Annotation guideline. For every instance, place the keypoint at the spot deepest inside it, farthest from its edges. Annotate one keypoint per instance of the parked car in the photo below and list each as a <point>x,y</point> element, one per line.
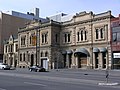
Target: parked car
<point>4,66</point>
<point>37,69</point>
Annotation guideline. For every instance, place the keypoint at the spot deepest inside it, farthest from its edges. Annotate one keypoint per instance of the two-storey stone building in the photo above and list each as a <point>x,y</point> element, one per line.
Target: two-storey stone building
<point>80,42</point>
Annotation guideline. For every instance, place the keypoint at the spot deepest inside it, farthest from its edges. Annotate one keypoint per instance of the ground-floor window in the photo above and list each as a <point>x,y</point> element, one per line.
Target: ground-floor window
<point>96,60</point>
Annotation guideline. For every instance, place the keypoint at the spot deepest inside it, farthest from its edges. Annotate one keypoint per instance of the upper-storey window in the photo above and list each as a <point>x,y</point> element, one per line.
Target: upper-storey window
<point>85,35</point>
<point>67,37</point>
<point>56,38</point>
<point>6,49</point>
<point>44,37</point>
<point>99,33</point>
<point>30,39</point>
<point>20,56</point>
<point>23,40</point>
<point>78,37</point>
<point>46,54</point>
<point>24,57</point>
<point>116,36</point>
<point>41,54</point>
<point>82,35</point>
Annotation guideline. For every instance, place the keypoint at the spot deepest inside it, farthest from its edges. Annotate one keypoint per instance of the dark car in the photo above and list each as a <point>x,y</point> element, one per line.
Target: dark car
<point>37,69</point>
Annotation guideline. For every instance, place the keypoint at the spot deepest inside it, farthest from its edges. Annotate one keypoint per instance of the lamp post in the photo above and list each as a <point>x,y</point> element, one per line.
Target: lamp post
<point>36,45</point>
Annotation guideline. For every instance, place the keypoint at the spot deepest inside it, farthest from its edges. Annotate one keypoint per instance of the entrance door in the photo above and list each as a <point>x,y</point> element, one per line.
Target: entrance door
<point>82,60</point>
<point>32,60</point>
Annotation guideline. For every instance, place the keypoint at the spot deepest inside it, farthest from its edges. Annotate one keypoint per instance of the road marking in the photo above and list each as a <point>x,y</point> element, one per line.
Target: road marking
<point>2,89</point>
<point>35,84</point>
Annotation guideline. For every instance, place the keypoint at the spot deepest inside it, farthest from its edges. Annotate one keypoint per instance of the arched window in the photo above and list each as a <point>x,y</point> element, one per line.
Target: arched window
<point>101,33</point>
<point>24,57</point>
<point>65,37</point>
<point>85,35</point>
<point>20,57</point>
<point>97,33</point>
<point>78,38</point>
<point>68,37</point>
<point>46,54</point>
<point>81,35</point>
<point>30,39</point>
<point>41,54</point>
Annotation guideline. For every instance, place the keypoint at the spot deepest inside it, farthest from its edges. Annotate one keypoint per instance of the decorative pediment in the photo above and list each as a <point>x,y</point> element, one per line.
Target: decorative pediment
<point>11,39</point>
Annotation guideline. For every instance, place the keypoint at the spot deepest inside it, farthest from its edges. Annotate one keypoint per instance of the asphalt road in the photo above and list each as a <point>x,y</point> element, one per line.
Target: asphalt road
<point>22,79</point>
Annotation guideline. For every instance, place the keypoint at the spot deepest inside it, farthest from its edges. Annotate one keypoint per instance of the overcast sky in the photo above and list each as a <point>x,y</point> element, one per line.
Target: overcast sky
<point>51,7</point>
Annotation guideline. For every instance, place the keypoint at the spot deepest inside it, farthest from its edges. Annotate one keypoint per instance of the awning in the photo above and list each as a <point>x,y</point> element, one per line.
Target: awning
<point>82,50</point>
<point>64,52</point>
<point>103,50</point>
<point>69,52</point>
<point>95,50</point>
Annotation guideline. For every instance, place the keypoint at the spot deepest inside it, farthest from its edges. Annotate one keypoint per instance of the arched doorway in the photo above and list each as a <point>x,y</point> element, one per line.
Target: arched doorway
<point>32,60</point>
<point>82,57</point>
<point>82,60</point>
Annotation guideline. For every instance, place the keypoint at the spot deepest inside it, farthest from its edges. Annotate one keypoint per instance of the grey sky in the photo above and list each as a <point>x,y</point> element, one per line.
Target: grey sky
<point>50,7</point>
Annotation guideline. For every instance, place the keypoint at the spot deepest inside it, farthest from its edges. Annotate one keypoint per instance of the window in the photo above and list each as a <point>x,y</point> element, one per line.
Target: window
<point>42,38</point>
<point>78,38</point>
<point>6,49</point>
<point>114,37</point>
<point>118,36</point>
<point>11,48</point>
<point>24,57</point>
<point>65,37</point>
<point>68,37</point>
<point>31,39</point>
<point>46,38</point>
<point>20,57</point>
<point>41,54</point>
<point>23,38</point>
<point>46,54</point>
<point>101,33</point>
<point>97,33</point>
<point>81,35</point>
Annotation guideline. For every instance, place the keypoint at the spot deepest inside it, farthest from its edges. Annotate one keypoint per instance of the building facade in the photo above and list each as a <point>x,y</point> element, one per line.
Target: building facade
<point>11,51</point>
<point>9,26</point>
<point>115,44</point>
<point>81,42</point>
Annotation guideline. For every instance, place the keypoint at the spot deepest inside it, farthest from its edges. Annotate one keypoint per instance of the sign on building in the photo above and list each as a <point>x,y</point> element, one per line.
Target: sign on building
<point>34,40</point>
<point>116,55</point>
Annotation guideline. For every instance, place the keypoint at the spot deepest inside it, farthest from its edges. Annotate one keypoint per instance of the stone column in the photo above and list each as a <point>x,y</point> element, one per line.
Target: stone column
<point>94,62</point>
<point>67,58</point>
<point>107,61</point>
<point>73,61</point>
<point>76,62</point>
<point>100,61</point>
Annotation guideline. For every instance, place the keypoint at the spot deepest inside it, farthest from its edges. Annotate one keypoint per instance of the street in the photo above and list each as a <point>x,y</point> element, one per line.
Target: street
<point>22,79</point>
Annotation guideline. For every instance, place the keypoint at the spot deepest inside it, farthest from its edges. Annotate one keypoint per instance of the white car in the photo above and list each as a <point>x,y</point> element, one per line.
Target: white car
<point>4,66</point>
